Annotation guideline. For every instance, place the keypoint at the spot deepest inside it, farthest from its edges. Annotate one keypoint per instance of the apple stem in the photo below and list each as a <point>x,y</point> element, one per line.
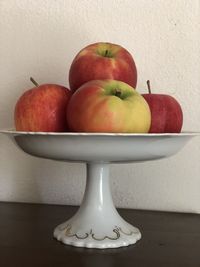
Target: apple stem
<point>106,53</point>
<point>149,86</point>
<point>118,92</point>
<point>34,82</point>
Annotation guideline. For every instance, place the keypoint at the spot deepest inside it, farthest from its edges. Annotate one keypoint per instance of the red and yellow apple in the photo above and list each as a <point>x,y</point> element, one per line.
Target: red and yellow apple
<point>42,109</point>
<point>166,113</point>
<point>108,106</point>
<point>102,61</point>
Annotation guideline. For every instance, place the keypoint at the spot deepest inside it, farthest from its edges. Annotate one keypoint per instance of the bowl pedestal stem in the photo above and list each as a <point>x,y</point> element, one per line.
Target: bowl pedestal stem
<point>97,224</point>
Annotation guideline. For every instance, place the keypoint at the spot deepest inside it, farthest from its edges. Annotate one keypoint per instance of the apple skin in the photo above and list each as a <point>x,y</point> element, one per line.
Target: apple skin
<point>108,106</point>
<point>101,61</point>
<point>166,113</point>
<point>42,109</point>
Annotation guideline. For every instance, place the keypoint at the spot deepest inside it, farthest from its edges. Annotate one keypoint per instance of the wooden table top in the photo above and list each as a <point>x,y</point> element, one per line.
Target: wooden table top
<point>26,239</point>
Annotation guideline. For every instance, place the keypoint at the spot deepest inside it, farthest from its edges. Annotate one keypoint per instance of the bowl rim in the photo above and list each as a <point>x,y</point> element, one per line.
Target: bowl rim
<point>14,132</point>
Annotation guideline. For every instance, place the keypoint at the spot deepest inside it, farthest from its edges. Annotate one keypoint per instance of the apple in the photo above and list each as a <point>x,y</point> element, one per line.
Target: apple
<point>42,109</point>
<point>101,61</point>
<point>166,113</point>
<point>108,106</point>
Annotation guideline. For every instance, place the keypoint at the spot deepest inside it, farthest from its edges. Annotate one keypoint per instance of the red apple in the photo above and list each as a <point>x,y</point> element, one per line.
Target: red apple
<point>166,113</point>
<point>102,61</point>
<point>108,106</point>
<point>42,109</point>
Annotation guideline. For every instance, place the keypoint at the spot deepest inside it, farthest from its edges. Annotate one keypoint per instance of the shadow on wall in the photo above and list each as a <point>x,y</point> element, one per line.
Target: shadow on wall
<point>25,178</point>
<point>17,180</point>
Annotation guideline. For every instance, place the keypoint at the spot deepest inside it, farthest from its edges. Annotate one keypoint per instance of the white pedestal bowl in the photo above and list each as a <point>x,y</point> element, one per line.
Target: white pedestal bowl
<point>97,223</point>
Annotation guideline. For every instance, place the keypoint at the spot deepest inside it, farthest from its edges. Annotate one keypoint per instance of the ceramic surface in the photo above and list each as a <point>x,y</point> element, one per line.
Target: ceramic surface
<point>99,147</point>
<point>97,223</point>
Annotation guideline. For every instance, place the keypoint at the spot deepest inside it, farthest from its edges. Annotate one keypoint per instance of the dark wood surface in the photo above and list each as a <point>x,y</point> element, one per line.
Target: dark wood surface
<point>168,239</point>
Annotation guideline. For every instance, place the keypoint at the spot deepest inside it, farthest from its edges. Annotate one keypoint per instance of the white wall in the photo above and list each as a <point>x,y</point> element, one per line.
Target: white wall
<point>40,38</point>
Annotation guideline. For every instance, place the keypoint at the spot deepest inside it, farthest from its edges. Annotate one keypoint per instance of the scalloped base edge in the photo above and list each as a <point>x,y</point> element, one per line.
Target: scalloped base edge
<point>89,242</point>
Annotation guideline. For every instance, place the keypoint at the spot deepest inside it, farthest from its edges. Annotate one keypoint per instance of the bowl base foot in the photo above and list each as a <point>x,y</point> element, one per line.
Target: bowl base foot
<point>117,236</point>
<point>97,224</point>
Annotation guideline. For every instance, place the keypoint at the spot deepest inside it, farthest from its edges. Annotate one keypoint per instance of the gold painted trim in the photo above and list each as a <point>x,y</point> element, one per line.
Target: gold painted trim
<point>117,231</point>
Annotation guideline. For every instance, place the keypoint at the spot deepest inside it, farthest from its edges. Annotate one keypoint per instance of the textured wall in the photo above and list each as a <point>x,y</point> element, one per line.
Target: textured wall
<point>40,38</point>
